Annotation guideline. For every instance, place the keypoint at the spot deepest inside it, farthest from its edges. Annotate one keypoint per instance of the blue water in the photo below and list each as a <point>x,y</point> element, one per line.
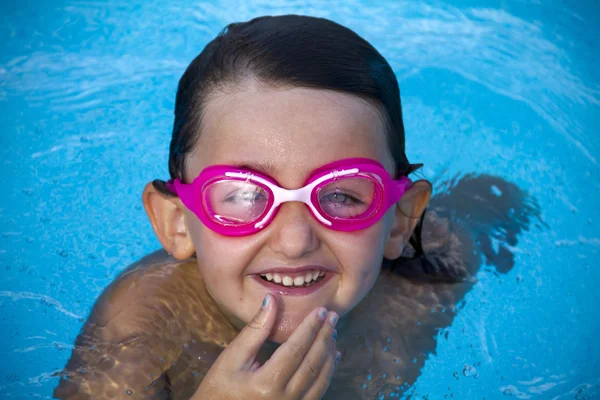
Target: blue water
<point>509,88</point>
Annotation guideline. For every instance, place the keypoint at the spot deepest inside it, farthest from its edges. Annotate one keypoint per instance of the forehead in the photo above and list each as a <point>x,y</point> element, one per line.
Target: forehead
<point>290,131</point>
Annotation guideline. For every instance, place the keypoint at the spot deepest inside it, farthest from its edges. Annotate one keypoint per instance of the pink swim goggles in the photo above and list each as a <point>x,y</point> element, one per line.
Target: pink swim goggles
<point>346,195</point>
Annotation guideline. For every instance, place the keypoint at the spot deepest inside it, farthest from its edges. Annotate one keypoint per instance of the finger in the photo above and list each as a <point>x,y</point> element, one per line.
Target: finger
<point>288,357</point>
<point>321,384</point>
<point>322,348</point>
<point>242,351</point>
<point>255,366</point>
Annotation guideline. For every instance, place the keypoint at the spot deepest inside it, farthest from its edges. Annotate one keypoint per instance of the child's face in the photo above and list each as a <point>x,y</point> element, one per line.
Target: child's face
<point>289,132</point>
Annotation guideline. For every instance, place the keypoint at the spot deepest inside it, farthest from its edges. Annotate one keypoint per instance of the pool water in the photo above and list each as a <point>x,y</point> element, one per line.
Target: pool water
<point>507,88</point>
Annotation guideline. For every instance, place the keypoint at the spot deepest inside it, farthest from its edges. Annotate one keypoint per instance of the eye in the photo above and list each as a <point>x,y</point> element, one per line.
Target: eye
<point>247,196</point>
<point>340,199</point>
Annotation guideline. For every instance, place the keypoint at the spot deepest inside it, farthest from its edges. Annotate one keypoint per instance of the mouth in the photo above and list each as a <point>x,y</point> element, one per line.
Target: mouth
<point>293,284</point>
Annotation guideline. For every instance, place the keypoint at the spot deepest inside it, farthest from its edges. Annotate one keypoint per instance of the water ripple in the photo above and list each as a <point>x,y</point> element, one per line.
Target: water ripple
<point>40,297</point>
<point>510,56</point>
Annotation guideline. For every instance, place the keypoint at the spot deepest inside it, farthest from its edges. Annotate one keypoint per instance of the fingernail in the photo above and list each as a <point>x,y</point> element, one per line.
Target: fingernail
<point>333,318</point>
<point>338,357</point>
<point>322,314</point>
<point>334,334</point>
<point>266,301</point>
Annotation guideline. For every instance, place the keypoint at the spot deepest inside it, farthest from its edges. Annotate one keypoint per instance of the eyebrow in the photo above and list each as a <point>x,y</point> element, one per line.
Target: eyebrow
<point>265,168</point>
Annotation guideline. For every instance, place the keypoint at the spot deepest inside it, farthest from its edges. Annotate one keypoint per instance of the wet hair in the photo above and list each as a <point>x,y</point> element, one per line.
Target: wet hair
<point>287,51</point>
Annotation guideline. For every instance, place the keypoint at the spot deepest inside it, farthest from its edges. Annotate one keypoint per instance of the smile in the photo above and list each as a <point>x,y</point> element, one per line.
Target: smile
<point>306,279</point>
<point>293,284</point>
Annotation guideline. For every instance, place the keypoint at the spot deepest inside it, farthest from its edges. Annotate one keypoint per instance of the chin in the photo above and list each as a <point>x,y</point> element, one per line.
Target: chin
<point>279,337</point>
<point>285,325</point>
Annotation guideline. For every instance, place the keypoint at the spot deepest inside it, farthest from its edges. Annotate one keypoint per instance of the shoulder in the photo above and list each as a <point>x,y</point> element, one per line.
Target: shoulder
<point>133,333</point>
<point>145,289</point>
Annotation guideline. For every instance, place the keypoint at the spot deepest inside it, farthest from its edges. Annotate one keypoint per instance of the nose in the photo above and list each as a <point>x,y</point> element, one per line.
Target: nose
<point>293,231</point>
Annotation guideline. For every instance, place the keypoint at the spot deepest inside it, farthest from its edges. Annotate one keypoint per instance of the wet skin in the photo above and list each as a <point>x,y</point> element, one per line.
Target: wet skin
<point>155,331</point>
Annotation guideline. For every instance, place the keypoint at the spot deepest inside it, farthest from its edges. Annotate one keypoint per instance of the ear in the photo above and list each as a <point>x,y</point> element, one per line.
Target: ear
<point>407,214</point>
<point>168,221</point>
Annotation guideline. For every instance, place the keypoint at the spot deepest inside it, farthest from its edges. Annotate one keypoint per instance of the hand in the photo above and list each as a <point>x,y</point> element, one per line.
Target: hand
<point>301,368</point>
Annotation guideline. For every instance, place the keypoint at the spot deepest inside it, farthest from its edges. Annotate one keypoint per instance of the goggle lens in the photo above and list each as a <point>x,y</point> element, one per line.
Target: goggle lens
<point>234,202</point>
<point>348,198</point>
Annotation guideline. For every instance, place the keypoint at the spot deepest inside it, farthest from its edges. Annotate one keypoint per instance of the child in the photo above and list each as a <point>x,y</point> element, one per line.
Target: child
<point>260,295</point>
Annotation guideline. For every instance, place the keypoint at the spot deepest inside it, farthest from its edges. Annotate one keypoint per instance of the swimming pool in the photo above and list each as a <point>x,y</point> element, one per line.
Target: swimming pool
<point>505,88</point>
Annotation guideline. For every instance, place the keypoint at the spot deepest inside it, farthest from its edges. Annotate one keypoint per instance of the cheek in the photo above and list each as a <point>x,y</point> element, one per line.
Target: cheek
<point>221,260</point>
<point>360,255</point>
<point>366,247</point>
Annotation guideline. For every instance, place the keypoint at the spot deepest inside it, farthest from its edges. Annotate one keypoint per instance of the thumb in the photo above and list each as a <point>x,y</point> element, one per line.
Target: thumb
<point>244,348</point>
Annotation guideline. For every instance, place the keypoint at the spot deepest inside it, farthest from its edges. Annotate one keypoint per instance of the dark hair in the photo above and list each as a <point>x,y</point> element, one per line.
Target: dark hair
<point>294,51</point>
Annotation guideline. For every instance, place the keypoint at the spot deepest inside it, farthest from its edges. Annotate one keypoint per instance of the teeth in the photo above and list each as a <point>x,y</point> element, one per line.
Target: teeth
<point>289,281</point>
<point>308,277</point>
